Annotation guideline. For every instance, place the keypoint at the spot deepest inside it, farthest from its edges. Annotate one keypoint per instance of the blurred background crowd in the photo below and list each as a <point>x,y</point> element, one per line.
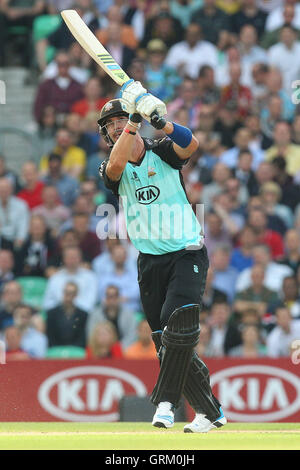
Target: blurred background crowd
<point>227,69</point>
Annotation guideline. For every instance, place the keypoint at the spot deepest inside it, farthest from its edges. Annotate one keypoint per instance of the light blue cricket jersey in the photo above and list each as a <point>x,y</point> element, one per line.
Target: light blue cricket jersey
<point>159,217</point>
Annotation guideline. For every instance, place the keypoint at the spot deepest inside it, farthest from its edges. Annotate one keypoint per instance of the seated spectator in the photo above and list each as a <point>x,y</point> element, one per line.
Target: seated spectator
<point>212,295</point>
<point>296,130</point>
<point>205,347</point>
<point>228,123</point>
<point>46,131</point>
<point>71,270</point>
<point>54,213</point>
<point>242,141</point>
<point>66,323</point>
<point>60,92</point>
<point>285,332</point>
<point>67,186</point>
<point>122,277</point>
<point>5,172</point>
<point>278,16</point>
<point>67,239</point>
<point>88,241</point>
<point>270,196</point>
<point>212,20</point>
<point>194,50</point>
<point>223,335</point>
<point>104,263</point>
<point>291,256</point>
<point>11,297</point>
<point>73,157</point>
<point>250,52</point>
<point>32,259</point>
<point>249,13</point>
<point>216,232</point>
<point>144,347</point>
<point>274,272</point>
<point>225,276</point>
<point>290,189</point>
<point>161,79</point>
<point>290,296</point>
<point>284,147</point>
<point>14,351</point>
<point>127,33</point>
<point>31,192</point>
<point>274,86</point>
<point>258,221</point>
<point>235,90</point>
<point>81,139</point>
<point>242,255</point>
<point>233,220</point>
<point>103,342</point>
<point>7,264</point>
<point>251,346</point>
<point>186,96</point>
<point>14,215</point>
<point>208,91</point>
<point>111,309</point>
<point>162,25</point>
<point>257,296</point>
<point>270,115</point>
<point>93,100</point>
<point>33,342</point>
<point>220,174</point>
<point>244,173</point>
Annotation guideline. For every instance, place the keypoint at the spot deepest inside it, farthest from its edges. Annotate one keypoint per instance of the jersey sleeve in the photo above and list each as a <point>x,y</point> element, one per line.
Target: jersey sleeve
<point>165,150</point>
<point>110,184</point>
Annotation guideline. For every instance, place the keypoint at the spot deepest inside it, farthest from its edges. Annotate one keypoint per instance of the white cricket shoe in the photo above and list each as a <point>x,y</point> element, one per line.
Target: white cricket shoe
<point>164,415</point>
<point>202,424</point>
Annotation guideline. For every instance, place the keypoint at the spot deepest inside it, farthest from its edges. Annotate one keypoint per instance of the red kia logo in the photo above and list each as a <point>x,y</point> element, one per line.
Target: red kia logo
<point>257,392</point>
<point>90,393</point>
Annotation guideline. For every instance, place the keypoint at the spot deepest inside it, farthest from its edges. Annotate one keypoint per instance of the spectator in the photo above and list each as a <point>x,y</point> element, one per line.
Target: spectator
<point>14,215</point>
<point>225,276</point>
<point>204,347</point>
<point>270,115</point>
<point>33,342</point>
<point>276,18</point>
<point>285,332</point>
<point>216,232</point>
<point>11,297</point>
<point>212,20</point>
<point>272,37</point>
<point>53,212</point>
<point>88,241</point>
<point>162,25</point>
<point>161,79</point>
<point>60,92</point>
<point>233,220</point>
<point>127,33</point>
<point>257,219</point>
<point>223,335</point>
<point>67,239</point>
<point>188,98</point>
<point>242,140</point>
<point>291,256</point>
<point>284,147</point>
<point>290,194</point>
<point>284,55</point>
<point>32,259</point>
<point>189,55</point>
<point>208,91</point>
<point>274,84</point>
<point>6,267</point>
<point>257,296</point>
<point>103,342</point>
<point>220,174</point>
<point>73,157</point>
<point>251,346</point>
<point>66,323</point>
<point>290,296</point>
<point>244,174</point>
<point>249,14</point>
<point>236,91</point>
<point>31,192</point>
<point>71,270</point>
<point>144,347</point>
<point>112,310</point>
<point>270,196</point>
<point>211,294</point>
<point>93,100</point>
<point>122,277</point>
<point>242,255</point>
<point>7,173</point>
<point>66,185</point>
<point>228,123</point>
<point>80,138</point>
<point>103,264</point>
<point>14,351</point>
<point>46,131</point>
<point>250,52</point>
<point>274,272</point>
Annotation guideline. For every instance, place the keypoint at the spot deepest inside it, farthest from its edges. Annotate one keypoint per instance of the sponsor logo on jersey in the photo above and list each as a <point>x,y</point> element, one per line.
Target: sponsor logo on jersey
<point>147,194</point>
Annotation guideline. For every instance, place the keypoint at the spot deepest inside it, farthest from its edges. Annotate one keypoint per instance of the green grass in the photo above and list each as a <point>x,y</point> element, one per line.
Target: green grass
<point>142,436</point>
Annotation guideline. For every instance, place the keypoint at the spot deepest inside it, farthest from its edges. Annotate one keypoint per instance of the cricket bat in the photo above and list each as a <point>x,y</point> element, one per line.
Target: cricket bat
<point>93,47</point>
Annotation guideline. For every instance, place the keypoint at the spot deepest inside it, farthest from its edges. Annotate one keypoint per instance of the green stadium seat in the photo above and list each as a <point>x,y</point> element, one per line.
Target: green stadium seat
<point>65,352</point>
<point>33,288</point>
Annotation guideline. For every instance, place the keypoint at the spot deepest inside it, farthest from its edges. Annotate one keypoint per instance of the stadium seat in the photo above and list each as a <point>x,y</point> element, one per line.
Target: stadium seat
<point>65,352</point>
<point>137,409</point>
<point>33,290</point>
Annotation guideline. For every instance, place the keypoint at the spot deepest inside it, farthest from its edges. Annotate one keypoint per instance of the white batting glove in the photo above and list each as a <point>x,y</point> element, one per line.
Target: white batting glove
<point>147,104</point>
<point>130,92</point>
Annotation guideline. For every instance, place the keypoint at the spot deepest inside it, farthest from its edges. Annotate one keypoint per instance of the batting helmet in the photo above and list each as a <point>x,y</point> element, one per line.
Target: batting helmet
<point>112,108</point>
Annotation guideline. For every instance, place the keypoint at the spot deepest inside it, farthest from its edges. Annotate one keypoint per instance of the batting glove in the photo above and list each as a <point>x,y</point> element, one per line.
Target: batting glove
<point>147,104</point>
<point>130,92</point>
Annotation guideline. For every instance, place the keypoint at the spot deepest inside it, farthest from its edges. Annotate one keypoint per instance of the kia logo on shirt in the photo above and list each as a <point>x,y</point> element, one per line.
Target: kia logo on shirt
<point>147,194</point>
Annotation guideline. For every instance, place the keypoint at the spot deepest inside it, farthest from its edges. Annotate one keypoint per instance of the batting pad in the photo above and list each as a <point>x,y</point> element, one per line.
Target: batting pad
<point>179,338</point>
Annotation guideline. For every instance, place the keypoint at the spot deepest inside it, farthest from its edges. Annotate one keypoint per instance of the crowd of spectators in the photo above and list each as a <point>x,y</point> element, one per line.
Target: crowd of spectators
<point>228,69</point>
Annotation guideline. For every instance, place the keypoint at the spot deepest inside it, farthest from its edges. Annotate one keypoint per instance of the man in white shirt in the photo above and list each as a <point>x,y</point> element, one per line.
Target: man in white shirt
<point>274,272</point>
<point>285,55</point>
<point>275,18</point>
<point>72,271</point>
<point>188,56</point>
<point>279,341</point>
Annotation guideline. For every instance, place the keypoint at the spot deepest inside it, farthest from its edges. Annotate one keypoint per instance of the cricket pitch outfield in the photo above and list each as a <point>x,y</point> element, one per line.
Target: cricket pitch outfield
<point>142,436</point>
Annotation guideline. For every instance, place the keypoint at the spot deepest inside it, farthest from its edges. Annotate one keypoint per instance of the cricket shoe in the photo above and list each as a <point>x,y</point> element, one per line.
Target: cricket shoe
<point>202,424</point>
<point>164,415</point>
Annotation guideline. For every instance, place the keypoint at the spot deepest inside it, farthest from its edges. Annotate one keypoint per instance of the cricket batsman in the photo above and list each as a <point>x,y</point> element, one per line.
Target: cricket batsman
<point>172,269</point>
